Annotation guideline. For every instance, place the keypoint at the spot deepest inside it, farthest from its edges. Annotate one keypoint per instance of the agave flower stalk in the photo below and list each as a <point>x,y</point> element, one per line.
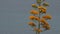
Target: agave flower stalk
<point>36,16</point>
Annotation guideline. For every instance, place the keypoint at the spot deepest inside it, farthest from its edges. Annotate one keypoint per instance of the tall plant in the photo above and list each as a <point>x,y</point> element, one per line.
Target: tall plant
<point>39,17</point>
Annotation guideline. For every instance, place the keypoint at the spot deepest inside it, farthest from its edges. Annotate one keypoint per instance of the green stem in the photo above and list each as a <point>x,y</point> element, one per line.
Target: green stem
<point>39,22</point>
<point>36,32</point>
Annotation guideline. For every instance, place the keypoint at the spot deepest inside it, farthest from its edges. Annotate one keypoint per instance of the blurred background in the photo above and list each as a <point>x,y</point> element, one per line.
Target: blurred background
<point>14,16</point>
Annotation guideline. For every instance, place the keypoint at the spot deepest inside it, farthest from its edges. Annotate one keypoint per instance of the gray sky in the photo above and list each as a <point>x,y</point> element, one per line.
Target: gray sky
<point>14,16</point>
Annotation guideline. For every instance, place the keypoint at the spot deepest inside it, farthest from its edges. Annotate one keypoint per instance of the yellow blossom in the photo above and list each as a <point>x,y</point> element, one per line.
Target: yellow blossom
<point>43,9</point>
<point>44,26</point>
<point>40,7</point>
<point>47,17</point>
<point>37,18</point>
<point>34,12</point>
<point>38,30</point>
<point>31,24</point>
<point>46,23</point>
<point>42,20</point>
<point>47,27</point>
<point>34,5</point>
<point>32,17</point>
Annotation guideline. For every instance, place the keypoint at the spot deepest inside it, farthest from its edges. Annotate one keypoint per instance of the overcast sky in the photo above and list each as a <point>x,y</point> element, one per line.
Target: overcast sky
<point>14,16</point>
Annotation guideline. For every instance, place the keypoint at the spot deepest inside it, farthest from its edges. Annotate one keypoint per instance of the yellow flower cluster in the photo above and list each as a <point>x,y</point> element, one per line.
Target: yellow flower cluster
<point>43,9</point>
<point>45,24</point>
<point>34,5</point>
<point>47,27</point>
<point>31,24</point>
<point>38,30</point>
<point>34,12</point>
<point>37,18</point>
<point>43,21</point>
<point>47,17</point>
<point>34,18</point>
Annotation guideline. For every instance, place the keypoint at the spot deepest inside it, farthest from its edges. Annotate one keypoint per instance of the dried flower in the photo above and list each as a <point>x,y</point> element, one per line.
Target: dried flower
<point>32,17</point>
<point>31,24</point>
<point>34,12</point>
<point>47,17</point>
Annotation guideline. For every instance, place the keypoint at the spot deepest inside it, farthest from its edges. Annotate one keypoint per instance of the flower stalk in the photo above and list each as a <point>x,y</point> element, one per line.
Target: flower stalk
<point>36,16</point>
